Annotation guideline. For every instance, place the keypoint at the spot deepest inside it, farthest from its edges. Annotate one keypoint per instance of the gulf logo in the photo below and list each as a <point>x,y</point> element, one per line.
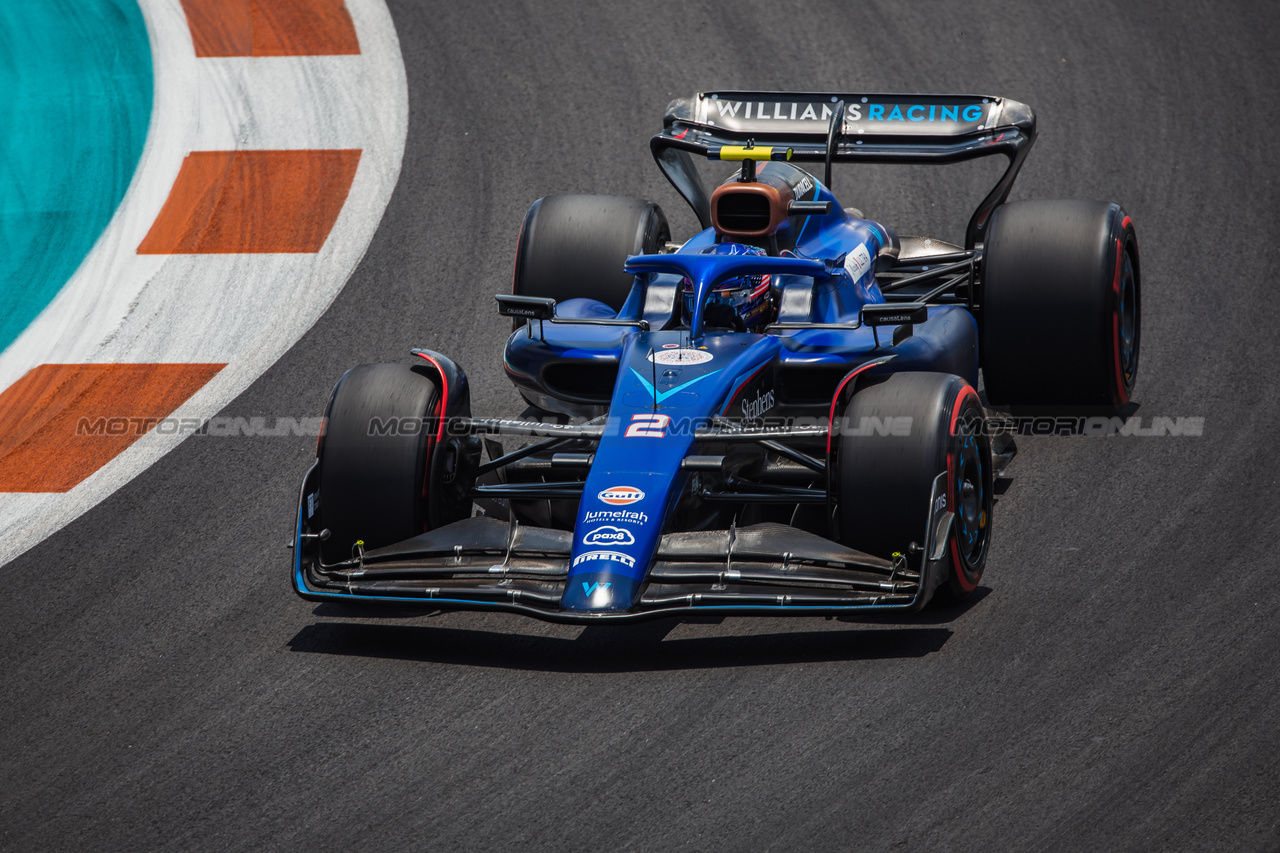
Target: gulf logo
<point>621,495</point>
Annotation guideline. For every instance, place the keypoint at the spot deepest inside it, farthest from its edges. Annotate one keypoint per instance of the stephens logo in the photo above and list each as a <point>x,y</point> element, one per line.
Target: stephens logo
<point>621,495</point>
<point>609,535</point>
<point>752,409</point>
<point>611,556</point>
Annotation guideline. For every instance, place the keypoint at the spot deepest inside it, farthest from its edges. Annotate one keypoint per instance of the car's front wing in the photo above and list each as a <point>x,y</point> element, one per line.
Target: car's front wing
<point>488,564</point>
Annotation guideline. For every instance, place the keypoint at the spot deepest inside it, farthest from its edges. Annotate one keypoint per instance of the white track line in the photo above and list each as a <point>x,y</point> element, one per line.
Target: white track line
<point>244,310</point>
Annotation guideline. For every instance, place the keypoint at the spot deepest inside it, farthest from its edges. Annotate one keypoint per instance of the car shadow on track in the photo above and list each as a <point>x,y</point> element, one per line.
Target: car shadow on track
<point>625,648</point>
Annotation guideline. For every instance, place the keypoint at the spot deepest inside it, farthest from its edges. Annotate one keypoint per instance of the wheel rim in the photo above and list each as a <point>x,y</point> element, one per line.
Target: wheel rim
<point>973,515</point>
<point>1128,330</point>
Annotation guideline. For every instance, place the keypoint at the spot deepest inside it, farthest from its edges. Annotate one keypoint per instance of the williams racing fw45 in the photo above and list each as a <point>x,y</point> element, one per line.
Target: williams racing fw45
<point>777,416</point>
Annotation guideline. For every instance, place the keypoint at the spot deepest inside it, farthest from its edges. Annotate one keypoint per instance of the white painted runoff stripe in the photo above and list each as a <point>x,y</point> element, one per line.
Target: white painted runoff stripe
<point>241,310</point>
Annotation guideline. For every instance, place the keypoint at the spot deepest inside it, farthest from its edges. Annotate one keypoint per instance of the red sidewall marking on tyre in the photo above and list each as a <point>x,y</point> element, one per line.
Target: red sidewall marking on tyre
<point>444,391</point>
<point>439,416</point>
<point>1121,393</point>
<point>956,563</point>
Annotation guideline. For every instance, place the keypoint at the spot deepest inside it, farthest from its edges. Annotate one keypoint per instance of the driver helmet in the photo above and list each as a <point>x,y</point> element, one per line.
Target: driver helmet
<point>746,297</point>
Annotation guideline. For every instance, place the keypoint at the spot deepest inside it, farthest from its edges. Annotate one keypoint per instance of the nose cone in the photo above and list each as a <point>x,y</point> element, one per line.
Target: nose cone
<point>600,592</point>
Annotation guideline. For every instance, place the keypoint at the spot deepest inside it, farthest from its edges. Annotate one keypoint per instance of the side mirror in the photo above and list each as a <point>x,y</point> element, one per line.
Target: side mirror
<point>525,307</point>
<point>904,315</point>
<point>894,314</point>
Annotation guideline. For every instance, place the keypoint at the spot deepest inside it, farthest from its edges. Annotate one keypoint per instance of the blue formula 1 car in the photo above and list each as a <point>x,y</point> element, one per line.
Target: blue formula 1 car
<point>777,416</point>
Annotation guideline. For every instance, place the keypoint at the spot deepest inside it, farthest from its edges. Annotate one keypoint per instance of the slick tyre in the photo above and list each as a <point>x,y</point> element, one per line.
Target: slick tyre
<point>1060,305</point>
<point>375,457</point>
<point>897,436</point>
<point>574,246</point>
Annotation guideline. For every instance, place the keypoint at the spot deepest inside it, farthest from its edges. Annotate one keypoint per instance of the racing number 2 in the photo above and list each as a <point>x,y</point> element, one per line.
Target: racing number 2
<point>648,426</point>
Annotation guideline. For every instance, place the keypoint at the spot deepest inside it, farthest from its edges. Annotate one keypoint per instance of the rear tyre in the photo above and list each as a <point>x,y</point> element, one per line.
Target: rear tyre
<point>886,476</point>
<point>381,435</point>
<point>574,246</point>
<point>1061,312</point>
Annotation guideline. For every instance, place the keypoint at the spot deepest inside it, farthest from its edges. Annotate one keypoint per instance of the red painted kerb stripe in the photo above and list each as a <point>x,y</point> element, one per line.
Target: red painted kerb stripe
<point>253,201</point>
<point>222,28</point>
<point>62,422</point>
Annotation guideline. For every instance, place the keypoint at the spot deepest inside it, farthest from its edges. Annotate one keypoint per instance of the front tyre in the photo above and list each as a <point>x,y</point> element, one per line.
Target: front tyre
<point>381,455</point>
<point>897,436</point>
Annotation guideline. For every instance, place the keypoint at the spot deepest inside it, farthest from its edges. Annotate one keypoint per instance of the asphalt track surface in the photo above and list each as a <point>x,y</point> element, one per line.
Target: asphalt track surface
<point>1111,686</point>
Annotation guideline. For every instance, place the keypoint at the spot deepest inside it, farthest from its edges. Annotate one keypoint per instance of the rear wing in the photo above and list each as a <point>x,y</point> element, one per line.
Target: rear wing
<point>827,127</point>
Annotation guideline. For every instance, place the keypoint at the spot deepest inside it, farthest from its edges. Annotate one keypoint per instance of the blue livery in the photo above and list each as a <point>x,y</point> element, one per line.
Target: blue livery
<point>778,415</point>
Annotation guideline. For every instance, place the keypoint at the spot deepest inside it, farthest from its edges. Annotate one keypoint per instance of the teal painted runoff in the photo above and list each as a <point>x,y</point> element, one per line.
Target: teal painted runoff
<point>75,102</point>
